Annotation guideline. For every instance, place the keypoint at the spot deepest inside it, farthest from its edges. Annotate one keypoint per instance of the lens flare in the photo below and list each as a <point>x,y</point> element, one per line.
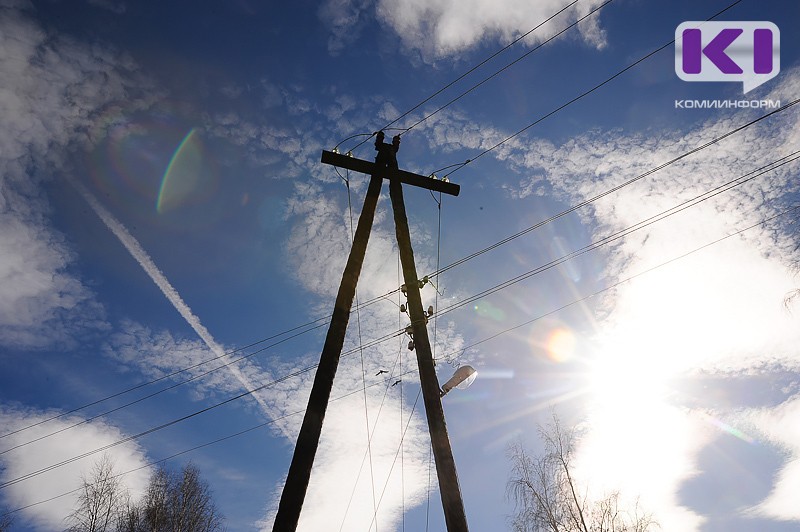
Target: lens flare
<point>187,175</point>
<point>561,345</point>
<point>485,309</point>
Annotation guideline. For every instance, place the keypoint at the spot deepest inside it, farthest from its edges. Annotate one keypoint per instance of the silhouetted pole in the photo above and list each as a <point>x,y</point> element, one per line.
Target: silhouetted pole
<point>455,518</point>
<point>294,490</point>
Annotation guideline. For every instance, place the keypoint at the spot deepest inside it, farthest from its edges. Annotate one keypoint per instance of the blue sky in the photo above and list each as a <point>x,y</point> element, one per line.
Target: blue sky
<point>162,204</point>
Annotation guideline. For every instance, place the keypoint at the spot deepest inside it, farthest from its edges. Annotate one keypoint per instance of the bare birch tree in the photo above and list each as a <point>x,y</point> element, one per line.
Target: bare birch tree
<point>548,498</point>
<point>100,500</point>
<point>174,502</point>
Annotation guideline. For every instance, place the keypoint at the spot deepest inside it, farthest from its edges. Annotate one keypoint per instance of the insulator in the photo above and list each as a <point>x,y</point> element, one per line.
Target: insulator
<point>411,345</point>
<point>403,307</point>
<point>430,310</point>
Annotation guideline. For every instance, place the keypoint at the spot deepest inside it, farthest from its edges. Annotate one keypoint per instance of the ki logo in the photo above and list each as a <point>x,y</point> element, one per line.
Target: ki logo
<point>748,52</point>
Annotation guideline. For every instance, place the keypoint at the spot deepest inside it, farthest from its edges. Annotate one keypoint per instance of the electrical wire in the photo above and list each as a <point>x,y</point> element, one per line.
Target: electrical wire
<point>580,96</point>
<point>197,447</point>
<point>148,383</point>
<point>509,65</point>
<point>309,326</point>
<point>525,231</point>
<point>459,353</point>
<point>379,340</point>
<point>441,270</point>
<point>361,354</point>
<point>284,378</point>
<point>616,188</point>
<point>630,229</point>
<point>402,438</point>
<point>390,379</point>
<point>400,417</point>
<point>793,209</point>
<point>465,74</point>
<point>144,398</point>
<point>476,67</point>
<point>152,430</point>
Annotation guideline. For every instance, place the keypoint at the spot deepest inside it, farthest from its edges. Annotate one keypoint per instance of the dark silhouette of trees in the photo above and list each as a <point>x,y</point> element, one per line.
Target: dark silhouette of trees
<point>100,499</point>
<point>6,520</point>
<point>174,502</point>
<point>548,498</point>
<point>179,502</point>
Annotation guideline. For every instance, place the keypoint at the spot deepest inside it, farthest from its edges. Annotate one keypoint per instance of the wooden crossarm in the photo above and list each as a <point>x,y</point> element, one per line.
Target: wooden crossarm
<point>409,178</point>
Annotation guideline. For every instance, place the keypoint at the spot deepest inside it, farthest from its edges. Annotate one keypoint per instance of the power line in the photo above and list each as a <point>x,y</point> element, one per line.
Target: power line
<point>193,414</point>
<point>174,373</point>
<point>630,229</point>
<point>434,274</point>
<point>203,445</point>
<point>465,74</point>
<point>476,67</point>
<point>402,439</point>
<point>144,398</point>
<point>460,352</point>
<point>438,272</point>
<point>361,356</point>
<point>461,261</point>
<point>509,65</point>
<point>588,201</point>
<point>308,326</point>
<point>551,113</point>
<point>152,430</point>
<point>391,378</point>
<point>664,214</point>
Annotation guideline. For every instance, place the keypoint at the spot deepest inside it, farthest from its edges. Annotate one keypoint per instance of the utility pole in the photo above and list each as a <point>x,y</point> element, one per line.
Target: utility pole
<point>384,167</point>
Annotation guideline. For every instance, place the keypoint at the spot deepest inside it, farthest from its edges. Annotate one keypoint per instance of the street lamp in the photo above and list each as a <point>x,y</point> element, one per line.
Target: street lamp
<point>461,379</point>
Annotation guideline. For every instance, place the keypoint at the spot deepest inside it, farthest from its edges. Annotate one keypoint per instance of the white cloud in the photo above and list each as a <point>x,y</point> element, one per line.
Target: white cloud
<point>780,426</point>
<point>49,90</point>
<point>41,454</point>
<point>441,28</point>
<point>156,354</point>
<point>41,302</point>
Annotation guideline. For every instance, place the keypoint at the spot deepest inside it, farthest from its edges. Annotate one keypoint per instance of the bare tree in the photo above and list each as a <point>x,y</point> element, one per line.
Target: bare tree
<point>176,503</point>
<point>547,497</point>
<point>130,518</point>
<point>6,520</point>
<point>173,502</point>
<point>100,500</point>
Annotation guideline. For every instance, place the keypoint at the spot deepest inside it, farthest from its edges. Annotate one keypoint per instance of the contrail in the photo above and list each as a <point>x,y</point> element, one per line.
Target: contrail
<point>147,264</point>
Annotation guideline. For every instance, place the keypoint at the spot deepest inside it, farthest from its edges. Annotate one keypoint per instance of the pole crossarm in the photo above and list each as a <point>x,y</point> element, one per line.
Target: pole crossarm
<point>409,178</point>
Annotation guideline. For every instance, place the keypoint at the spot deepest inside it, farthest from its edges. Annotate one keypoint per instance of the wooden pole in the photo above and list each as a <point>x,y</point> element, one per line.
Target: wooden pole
<point>453,505</point>
<point>294,491</point>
